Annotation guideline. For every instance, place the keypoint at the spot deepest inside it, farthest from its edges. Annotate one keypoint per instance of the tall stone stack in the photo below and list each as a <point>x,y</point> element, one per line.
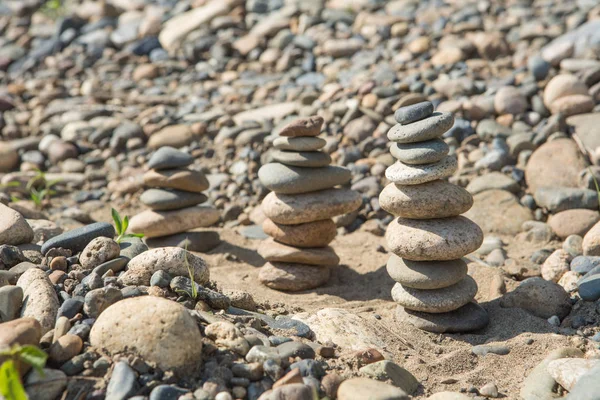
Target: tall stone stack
<point>429,237</point>
<point>300,207</point>
<point>173,197</point>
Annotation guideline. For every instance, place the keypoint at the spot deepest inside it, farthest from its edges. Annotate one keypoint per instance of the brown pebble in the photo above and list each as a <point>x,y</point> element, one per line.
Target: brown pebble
<point>326,351</point>
<point>330,384</point>
<point>59,263</point>
<point>294,376</point>
<point>368,356</point>
<point>65,348</point>
<point>310,126</point>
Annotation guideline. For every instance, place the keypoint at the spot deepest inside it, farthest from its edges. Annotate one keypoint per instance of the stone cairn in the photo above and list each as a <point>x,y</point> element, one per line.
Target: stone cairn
<point>429,237</point>
<point>173,197</point>
<point>300,207</point>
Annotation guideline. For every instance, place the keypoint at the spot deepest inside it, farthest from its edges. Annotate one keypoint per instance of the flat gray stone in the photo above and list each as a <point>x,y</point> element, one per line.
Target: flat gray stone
<point>426,129</point>
<point>201,241</point>
<point>285,179</point>
<point>437,300</point>
<point>415,112</point>
<point>404,174</point>
<point>491,181</point>
<point>293,277</point>
<point>426,275</point>
<point>163,199</point>
<point>169,157</point>
<point>470,317</point>
<point>427,152</point>
<point>76,239</point>
<point>299,143</point>
<point>274,251</point>
<point>302,158</point>
<point>11,298</point>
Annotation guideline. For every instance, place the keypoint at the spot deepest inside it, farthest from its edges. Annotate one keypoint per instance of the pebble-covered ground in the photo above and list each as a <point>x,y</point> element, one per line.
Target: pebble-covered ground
<point>95,96</point>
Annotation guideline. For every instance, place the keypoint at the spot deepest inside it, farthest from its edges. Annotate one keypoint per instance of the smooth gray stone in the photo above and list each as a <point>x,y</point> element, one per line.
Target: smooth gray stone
<point>470,317</point>
<point>589,287</point>
<point>202,241</point>
<point>132,246</point>
<point>426,275</point>
<point>11,298</point>
<point>588,386</point>
<point>116,265</point>
<point>427,152</point>
<point>403,174</point>
<point>76,239</point>
<point>169,157</point>
<point>163,199</point>
<point>123,382</point>
<point>415,112</point>
<point>299,143</point>
<point>426,129</point>
<point>302,158</point>
<point>560,199</point>
<point>285,179</point>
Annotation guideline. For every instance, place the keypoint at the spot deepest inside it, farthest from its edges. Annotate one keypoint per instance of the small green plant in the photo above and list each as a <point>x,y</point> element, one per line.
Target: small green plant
<point>11,386</point>
<point>121,225</point>
<point>597,186</point>
<point>53,9</point>
<point>39,188</point>
<point>193,293</point>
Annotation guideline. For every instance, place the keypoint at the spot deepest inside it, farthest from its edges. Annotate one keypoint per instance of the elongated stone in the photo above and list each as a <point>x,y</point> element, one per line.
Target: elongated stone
<point>435,199</point>
<point>299,143</point>
<point>164,200</point>
<point>426,274</point>
<point>301,208</point>
<point>415,112</point>
<point>302,158</point>
<point>182,179</point>
<point>169,157</point>
<point>427,152</point>
<point>426,129</point>
<point>76,239</point>
<point>293,277</point>
<point>437,300</point>
<point>433,239</point>
<point>470,317</point>
<point>162,223</point>
<point>310,234</point>
<point>271,250</point>
<point>286,179</point>
<point>310,126</point>
<point>404,174</point>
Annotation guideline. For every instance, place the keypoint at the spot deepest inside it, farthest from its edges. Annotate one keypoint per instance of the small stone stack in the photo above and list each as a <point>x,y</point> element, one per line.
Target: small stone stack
<point>429,237</point>
<point>174,195</point>
<point>300,207</point>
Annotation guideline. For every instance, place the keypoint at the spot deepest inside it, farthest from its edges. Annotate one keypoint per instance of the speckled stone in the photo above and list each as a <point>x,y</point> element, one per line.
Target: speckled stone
<point>435,199</point>
<point>302,158</point>
<point>427,152</point>
<point>293,277</point>
<point>415,112</point>
<point>311,234</point>
<point>285,179</point>
<point>470,317</point>
<point>426,129</point>
<point>161,223</point>
<point>271,250</point>
<point>426,274</point>
<point>433,239</point>
<point>404,174</point>
<point>437,300</point>
<point>299,143</point>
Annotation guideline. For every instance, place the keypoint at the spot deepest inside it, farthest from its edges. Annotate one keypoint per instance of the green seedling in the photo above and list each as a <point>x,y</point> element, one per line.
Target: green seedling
<point>193,294</point>
<point>11,386</point>
<point>597,186</point>
<point>121,225</point>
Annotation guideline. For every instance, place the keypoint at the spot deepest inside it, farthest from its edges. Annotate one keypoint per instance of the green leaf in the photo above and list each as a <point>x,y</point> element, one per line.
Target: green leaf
<point>117,218</point>
<point>33,356</point>
<point>137,235</point>
<point>10,184</point>
<point>125,223</point>
<point>11,387</point>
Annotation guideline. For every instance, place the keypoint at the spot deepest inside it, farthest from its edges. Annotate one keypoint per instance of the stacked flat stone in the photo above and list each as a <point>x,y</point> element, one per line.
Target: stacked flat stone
<point>429,237</point>
<point>300,208</point>
<point>173,197</point>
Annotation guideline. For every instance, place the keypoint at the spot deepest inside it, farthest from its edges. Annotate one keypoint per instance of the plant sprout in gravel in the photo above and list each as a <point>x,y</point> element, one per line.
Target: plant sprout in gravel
<point>11,386</point>
<point>121,225</point>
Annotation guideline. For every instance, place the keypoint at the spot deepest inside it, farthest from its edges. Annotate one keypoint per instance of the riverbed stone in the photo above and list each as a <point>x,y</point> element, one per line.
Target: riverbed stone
<point>200,241</point>
<point>303,127</point>
<point>169,157</point>
<point>98,251</point>
<point>470,317</point>
<point>498,211</point>
<point>11,298</point>
<point>429,128</point>
<point>493,181</point>
<point>412,113</point>
<point>181,179</point>
<point>286,179</point>
<point>312,159</point>
<point>540,297</point>
<point>403,174</point>
<point>165,200</point>
<point>426,152</point>
<point>271,250</point>
<point>161,223</point>
<point>426,274</point>
<point>436,300</point>
<point>299,143</point>
<point>293,277</point>
<point>39,298</point>
<point>573,222</point>
<point>14,229</point>
<point>76,239</point>
<point>310,234</point>
<point>365,388</point>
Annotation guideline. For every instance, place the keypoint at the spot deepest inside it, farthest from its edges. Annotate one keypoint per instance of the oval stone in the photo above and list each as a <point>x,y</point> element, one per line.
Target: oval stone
<point>271,250</point>
<point>310,234</point>
<point>302,158</point>
<point>163,200</point>
<point>299,143</point>
<point>427,152</point>
<point>293,277</point>
<point>426,129</point>
<point>301,208</point>
<point>470,317</point>
<point>182,179</point>
<point>161,223</point>
<point>426,275</point>
<point>169,157</point>
<point>404,174</point>
<point>435,199</point>
<point>310,126</point>
<point>76,239</point>
<point>437,300</point>
<point>292,180</point>
<point>415,112</point>
<point>433,239</point>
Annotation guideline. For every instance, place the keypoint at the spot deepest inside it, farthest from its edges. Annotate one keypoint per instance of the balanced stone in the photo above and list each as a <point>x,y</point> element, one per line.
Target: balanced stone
<point>310,234</point>
<point>403,174</point>
<point>426,274</point>
<point>433,239</point>
<point>182,179</point>
<point>271,250</point>
<point>161,223</point>
<point>200,241</point>
<point>470,317</point>
<point>302,158</point>
<point>299,143</point>
<point>163,200</point>
<point>169,157</point>
<point>427,152</point>
<point>426,129</point>
<point>435,199</point>
<point>293,180</point>
<point>298,209</point>
<point>310,126</point>
<point>413,113</point>
<point>293,277</point>
<point>436,300</point>
<point>76,239</point>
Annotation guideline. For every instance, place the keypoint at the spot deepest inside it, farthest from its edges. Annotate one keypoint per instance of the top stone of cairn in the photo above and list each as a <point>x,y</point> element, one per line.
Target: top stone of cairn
<point>168,157</point>
<point>413,113</point>
<point>310,126</point>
